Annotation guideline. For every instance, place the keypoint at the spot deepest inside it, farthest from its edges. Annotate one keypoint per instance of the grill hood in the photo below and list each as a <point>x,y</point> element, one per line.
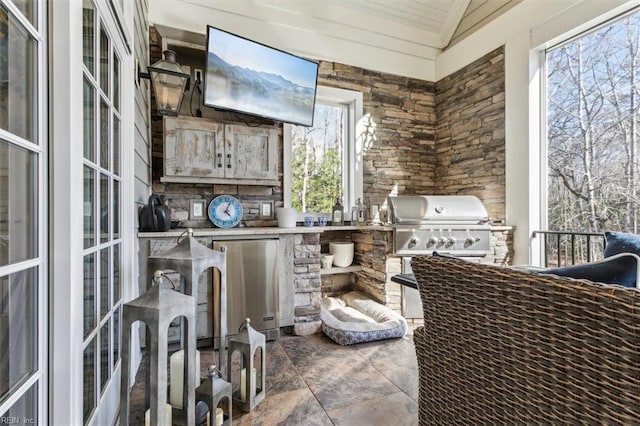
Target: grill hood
<point>430,209</point>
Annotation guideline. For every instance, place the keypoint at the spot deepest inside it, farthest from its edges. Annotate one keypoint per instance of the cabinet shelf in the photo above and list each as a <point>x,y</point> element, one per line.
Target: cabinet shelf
<point>337,270</point>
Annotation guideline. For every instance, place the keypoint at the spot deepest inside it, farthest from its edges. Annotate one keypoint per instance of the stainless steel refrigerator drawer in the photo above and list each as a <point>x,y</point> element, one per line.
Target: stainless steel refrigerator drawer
<point>252,285</point>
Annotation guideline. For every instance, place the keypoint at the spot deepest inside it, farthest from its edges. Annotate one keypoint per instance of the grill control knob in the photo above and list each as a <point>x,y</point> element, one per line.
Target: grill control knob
<point>432,242</point>
<point>442,241</point>
<point>471,241</point>
<point>414,241</point>
<point>451,241</point>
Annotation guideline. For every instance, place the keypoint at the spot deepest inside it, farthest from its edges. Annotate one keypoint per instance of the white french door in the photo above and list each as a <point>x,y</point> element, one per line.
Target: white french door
<point>91,117</point>
<point>23,230</point>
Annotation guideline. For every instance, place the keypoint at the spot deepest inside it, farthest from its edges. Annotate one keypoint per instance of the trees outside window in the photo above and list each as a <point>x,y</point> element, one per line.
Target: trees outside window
<point>316,162</point>
<point>324,162</point>
<point>592,129</point>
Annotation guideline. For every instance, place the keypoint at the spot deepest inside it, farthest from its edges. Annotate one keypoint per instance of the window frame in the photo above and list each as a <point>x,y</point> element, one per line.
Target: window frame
<point>352,153</point>
<point>536,248</point>
<point>38,380</point>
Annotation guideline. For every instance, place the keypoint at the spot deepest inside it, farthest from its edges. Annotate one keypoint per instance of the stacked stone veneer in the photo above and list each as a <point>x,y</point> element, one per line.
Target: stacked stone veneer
<point>399,142</point>
<point>470,148</point>
<point>374,253</point>
<point>400,122</point>
<point>307,284</point>
<point>421,137</point>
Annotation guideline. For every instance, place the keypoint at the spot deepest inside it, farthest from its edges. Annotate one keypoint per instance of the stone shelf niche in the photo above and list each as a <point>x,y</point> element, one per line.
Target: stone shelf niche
<point>336,270</point>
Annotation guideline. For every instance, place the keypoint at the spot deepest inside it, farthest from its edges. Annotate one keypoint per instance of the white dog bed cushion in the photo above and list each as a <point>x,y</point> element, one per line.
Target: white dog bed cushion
<point>354,318</point>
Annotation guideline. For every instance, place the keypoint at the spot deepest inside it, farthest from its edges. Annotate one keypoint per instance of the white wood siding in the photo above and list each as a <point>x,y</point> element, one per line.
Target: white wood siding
<point>478,14</point>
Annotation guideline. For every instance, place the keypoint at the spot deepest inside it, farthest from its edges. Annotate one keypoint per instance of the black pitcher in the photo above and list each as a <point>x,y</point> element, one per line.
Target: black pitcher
<point>155,216</point>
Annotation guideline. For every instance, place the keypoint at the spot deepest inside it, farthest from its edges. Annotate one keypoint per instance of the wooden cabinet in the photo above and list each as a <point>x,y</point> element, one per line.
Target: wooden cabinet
<point>198,150</point>
<point>251,152</point>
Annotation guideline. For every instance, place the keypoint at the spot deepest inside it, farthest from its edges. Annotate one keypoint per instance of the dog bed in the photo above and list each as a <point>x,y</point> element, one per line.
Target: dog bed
<point>355,318</point>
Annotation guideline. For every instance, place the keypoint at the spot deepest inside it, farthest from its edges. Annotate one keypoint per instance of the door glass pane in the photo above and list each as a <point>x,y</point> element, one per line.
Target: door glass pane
<point>25,409</point>
<point>89,207</point>
<point>18,112</point>
<point>105,370</point>
<point>89,293</point>
<point>116,336</point>
<point>89,376</point>
<point>116,82</point>
<point>104,61</point>
<point>105,302</point>
<point>116,273</point>
<point>116,209</point>
<point>28,9</point>
<point>18,334</point>
<point>88,117</point>
<point>116,146</point>
<point>104,208</point>
<point>104,134</point>
<point>88,41</point>
<point>18,204</point>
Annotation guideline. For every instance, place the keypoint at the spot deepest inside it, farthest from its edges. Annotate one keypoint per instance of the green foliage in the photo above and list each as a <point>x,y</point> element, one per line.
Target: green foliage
<point>323,178</point>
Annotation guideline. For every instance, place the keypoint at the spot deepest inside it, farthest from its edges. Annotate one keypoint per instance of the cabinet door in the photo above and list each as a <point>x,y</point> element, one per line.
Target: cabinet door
<point>193,148</point>
<point>250,152</point>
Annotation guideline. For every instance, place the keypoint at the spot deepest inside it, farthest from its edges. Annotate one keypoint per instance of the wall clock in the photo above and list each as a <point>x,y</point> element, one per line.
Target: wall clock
<point>225,211</point>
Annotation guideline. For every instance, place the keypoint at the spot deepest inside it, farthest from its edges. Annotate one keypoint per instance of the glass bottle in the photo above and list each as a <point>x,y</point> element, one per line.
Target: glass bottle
<point>362,214</point>
<point>337,214</point>
<point>354,213</point>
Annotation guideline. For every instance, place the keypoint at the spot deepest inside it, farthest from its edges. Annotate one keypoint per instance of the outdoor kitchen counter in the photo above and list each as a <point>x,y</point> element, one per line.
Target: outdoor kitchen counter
<point>253,231</point>
<point>274,230</point>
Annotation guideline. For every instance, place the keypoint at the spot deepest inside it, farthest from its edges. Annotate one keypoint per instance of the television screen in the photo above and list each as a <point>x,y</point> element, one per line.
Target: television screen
<point>249,77</point>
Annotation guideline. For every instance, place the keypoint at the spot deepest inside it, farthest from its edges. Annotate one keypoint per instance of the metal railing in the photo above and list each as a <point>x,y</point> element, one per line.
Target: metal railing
<point>563,248</point>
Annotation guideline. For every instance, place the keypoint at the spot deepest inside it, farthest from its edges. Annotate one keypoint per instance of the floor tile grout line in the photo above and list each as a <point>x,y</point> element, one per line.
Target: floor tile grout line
<point>307,384</point>
<point>355,350</point>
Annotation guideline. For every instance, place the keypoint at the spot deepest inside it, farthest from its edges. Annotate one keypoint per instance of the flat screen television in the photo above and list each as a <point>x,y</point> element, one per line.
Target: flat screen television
<point>249,77</point>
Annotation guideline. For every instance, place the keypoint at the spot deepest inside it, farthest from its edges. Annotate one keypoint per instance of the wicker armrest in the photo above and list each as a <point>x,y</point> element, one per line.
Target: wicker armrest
<point>502,346</point>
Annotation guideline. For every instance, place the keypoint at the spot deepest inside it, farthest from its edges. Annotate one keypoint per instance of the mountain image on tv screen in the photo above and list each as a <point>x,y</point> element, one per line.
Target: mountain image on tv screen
<point>252,78</point>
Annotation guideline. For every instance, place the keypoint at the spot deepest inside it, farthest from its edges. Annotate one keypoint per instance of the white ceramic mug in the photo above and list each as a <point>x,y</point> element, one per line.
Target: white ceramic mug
<point>342,253</point>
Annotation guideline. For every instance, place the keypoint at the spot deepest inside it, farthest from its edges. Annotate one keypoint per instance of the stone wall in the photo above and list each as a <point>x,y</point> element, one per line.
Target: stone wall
<point>470,145</point>
<point>307,284</point>
<point>179,194</point>
<point>399,149</point>
<point>421,137</point>
<point>400,118</point>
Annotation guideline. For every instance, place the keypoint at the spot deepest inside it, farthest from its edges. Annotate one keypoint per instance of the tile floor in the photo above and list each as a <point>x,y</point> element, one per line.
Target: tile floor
<point>313,381</point>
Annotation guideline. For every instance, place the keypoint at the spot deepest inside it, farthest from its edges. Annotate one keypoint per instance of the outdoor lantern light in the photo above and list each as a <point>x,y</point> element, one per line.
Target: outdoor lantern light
<point>157,308</point>
<point>168,82</point>
<point>248,343</point>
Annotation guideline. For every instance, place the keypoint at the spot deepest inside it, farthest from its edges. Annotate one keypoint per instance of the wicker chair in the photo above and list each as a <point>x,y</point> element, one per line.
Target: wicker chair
<point>501,346</point>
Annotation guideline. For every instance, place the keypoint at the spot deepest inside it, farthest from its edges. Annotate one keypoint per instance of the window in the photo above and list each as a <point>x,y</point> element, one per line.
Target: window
<point>23,227</point>
<point>593,102</point>
<point>102,120</point>
<point>592,137</point>
<point>324,162</point>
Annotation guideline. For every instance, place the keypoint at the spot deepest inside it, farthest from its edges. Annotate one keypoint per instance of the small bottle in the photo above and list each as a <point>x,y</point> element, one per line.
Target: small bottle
<point>362,214</point>
<point>337,214</point>
<point>354,212</point>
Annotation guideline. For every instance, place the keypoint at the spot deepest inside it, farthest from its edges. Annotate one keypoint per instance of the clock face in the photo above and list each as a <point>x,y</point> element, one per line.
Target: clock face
<point>225,211</point>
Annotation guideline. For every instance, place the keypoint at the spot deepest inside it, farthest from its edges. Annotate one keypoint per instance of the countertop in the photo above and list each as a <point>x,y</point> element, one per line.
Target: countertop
<point>269,230</point>
<point>274,230</point>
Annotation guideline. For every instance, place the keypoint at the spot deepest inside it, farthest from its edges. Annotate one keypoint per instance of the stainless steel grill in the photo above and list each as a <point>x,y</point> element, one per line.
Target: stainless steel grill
<point>457,225</point>
<point>450,224</point>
